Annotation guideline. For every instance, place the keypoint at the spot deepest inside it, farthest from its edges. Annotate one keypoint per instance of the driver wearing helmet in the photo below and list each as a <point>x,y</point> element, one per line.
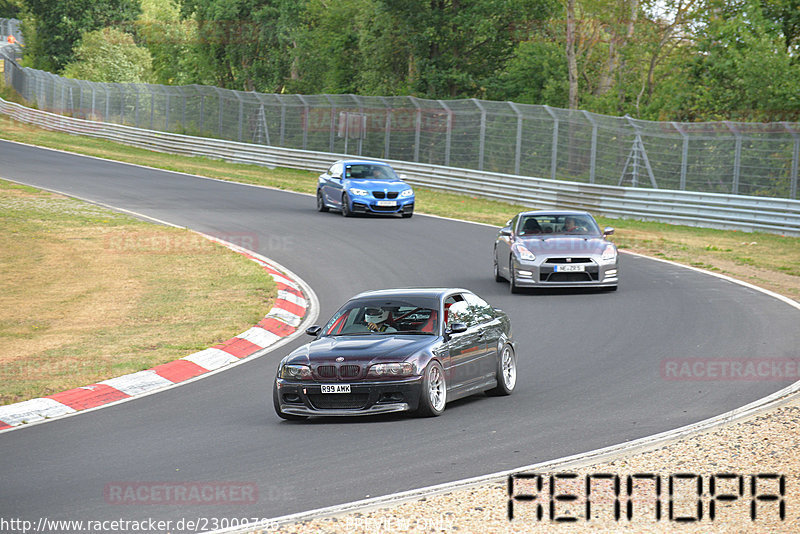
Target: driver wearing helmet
<point>376,320</point>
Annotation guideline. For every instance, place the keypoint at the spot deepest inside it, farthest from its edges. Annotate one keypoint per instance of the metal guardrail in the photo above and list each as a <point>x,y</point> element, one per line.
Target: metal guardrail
<point>678,207</point>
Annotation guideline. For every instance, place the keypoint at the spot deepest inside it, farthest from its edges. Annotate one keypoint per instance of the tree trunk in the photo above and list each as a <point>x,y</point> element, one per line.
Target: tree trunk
<point>572,61</point>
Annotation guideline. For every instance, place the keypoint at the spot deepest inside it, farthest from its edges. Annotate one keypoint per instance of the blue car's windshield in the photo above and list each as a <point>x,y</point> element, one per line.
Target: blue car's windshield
<point>384,316</point>
<point>366,171</point>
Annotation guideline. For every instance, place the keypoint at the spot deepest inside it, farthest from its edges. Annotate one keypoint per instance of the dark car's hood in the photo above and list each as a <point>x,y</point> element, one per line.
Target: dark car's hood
<point>380,185</point>
<point>361,349</point>
<point>565,244</point>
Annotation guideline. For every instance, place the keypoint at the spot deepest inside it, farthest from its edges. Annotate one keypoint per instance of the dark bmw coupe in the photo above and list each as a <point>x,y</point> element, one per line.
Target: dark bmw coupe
<point>398,350</point>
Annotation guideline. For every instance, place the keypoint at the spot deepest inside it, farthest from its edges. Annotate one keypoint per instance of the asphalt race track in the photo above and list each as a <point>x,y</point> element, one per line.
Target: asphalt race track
<point>589,364</point>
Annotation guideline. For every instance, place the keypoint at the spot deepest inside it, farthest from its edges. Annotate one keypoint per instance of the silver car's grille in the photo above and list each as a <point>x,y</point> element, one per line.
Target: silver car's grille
<point>568,277</point>
<point>568,259</point>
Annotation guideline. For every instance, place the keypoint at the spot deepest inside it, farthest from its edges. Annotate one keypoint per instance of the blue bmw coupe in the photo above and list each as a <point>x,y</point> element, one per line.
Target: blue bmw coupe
<point>361,186</point>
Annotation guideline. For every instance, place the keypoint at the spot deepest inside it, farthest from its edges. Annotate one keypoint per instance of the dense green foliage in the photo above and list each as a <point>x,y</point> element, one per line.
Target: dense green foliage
<point>686,60</point>
<point>55,27</point>
<point>110,55</point>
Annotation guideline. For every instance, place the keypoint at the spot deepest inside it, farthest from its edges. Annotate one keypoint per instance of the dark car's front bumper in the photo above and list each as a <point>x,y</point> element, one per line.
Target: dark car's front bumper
<point>365,398</point>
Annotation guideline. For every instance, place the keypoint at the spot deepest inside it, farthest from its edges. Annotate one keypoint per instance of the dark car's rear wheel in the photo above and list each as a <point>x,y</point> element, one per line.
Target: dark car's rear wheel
<point>321,203</point>
<point>434,391</point>
<point>512,276</point>
<point>346,206</point>
<point>276,403</point>
<point>506,372</point>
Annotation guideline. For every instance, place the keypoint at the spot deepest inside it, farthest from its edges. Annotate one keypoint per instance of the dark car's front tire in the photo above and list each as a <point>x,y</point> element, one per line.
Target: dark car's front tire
<point>321,202</point>
<point>276,403</point>
<point>434,391</point>
<point>506,373</point>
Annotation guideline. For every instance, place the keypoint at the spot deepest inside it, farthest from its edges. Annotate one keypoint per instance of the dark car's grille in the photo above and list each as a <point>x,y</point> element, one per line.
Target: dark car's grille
<point>338,401</point>
<point>342,371</point>
<point>571,260</point>
<point>349,371</point>
<point>381,194</point>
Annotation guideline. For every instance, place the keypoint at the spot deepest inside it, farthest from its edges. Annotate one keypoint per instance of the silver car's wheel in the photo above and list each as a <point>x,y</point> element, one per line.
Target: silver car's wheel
<point>497,277</point>
<point>506,372</point>
<point>512,276</point>
<point>434,391</point>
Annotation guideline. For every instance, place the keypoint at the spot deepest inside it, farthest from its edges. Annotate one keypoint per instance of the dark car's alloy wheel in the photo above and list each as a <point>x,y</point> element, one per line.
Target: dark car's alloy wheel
<point>276,403</point>
<point>346,206</point>
<point>321,203</point>
<point>506,372</point>
<point>434,391</point>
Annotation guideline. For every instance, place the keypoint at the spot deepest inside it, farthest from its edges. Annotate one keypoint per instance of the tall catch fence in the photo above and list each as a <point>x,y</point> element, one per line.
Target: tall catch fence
<point>517,141</point>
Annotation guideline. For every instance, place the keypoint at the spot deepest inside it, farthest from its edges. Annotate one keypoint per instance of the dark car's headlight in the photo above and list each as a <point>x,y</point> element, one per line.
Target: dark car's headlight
<point>391,369</point>
<point>295,372</point>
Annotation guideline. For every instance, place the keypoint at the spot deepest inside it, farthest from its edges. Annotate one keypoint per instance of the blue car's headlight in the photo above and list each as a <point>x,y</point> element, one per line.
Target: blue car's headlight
<point>407,193</point>
<point>359,192</point>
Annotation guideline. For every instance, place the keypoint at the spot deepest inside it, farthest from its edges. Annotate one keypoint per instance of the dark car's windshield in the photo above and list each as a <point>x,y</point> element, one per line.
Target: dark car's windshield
<point>579,224</point>
<point>366,171</point>
<point>385,316</point>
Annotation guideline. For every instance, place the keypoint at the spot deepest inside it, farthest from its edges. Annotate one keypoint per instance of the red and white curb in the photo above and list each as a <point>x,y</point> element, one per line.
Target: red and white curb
<point>292,304</point>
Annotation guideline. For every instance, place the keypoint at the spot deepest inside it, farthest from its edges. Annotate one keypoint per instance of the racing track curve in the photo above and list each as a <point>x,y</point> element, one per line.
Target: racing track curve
<point>589,363</point>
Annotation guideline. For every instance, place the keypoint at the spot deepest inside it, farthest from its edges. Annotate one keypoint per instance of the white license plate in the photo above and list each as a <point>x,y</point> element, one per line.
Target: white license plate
<point>387,203</point>
<point>335,388</point>
<point>569,268</point>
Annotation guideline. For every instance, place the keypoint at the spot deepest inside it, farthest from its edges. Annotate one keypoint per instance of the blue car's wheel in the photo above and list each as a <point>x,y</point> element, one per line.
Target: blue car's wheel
<point>346,206</point>
<point>321,202</point>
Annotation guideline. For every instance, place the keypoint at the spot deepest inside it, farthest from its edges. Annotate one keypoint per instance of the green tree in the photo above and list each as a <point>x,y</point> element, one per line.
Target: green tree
<point>170,41</point>
<point>244,44</point>
<point>110,55</point>
<point>9,9</point>
<point>59,25</point>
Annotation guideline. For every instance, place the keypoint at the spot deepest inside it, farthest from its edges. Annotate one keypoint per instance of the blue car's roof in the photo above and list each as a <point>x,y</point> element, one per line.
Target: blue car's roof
<point>362,162</point>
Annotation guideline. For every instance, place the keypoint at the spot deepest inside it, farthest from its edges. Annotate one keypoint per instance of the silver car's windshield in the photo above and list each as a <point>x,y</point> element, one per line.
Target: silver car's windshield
<point>536,225</point>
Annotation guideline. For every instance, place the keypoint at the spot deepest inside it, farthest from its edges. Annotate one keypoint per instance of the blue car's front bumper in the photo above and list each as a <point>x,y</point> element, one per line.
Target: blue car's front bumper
<point>372,205</point>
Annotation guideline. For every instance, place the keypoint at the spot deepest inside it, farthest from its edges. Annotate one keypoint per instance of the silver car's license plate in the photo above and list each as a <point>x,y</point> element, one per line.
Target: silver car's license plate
<point>335,388</point>
<point>386,203</point>
<point>569,268</point>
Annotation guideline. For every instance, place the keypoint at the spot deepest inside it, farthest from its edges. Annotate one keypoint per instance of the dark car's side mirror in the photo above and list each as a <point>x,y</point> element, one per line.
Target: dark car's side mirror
<point>313,330</point>
<point>608,230</point>
<point>456,328</point>
<point>506,231</point>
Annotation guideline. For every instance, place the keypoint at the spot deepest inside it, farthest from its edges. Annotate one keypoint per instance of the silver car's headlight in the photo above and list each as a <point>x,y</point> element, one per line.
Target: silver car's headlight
<point>295,372</point>
<point>359,192</point>
<point>407,193</point>
<point>391,369</point>
<point>609,254</point>
<point>523,253</point>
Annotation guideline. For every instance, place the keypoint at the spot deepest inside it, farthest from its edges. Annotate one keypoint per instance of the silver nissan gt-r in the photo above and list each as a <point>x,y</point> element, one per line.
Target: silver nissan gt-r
<point>555,249</point>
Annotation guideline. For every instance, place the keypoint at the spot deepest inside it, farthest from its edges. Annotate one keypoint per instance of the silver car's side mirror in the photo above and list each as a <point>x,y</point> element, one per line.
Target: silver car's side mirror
<point>608,230</point>
<point>506,231</point>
